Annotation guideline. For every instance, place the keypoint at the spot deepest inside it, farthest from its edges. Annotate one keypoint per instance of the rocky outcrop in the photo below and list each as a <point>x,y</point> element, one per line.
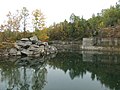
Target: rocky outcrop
<point>31,47</point>
<point>67,45</point>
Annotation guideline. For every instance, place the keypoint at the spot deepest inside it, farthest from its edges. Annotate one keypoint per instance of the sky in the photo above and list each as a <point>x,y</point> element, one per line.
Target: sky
<point>56,10</point>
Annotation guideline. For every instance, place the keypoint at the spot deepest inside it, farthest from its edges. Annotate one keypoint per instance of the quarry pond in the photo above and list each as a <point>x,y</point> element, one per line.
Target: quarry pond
<point>85,70</point>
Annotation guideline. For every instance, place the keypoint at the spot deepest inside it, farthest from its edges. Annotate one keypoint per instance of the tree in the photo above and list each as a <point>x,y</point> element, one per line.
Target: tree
<point>42,34</point>
<point>74,22</point>
<point>111,16</point>
<point>39,25</point>
<point>11,26</point>
<point>38,19</point>
<point>25,14</point>
<point>13,22</point>
<point>72,18</point>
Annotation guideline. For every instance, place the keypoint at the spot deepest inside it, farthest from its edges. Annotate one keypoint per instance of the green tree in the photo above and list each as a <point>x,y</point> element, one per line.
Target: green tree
<point>111,16</point>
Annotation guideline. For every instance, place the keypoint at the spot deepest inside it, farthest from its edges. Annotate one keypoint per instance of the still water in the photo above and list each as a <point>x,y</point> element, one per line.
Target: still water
<point>63,71</point>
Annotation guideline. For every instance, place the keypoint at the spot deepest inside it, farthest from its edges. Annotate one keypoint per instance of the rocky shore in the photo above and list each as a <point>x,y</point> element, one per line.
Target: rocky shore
<point>29,47</point>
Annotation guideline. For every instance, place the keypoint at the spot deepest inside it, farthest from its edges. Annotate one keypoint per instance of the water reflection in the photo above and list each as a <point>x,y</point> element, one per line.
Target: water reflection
<point>105,67</point>
<point>31,73</point>
<point>22,74</point>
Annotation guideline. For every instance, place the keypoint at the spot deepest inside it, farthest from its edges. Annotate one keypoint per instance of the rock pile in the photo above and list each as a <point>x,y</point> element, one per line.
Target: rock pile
<point>31,47</point>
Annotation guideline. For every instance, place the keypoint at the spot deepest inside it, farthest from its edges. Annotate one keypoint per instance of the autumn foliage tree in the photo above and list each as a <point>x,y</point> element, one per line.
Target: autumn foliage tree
<point>76,28</point>
<point>39,25</point>
<point>11,26</point>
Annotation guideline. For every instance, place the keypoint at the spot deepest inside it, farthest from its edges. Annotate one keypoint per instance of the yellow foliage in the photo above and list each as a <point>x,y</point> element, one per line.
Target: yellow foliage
<point>43,37</point>
<point>42,34</point>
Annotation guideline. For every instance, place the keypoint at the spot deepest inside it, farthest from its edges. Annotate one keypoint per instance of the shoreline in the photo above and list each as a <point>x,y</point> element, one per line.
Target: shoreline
<point>72,46</point>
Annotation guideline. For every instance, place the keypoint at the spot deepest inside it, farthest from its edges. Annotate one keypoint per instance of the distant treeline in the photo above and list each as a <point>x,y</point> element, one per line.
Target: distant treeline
<point>74,29</point>
<point>79,28</point>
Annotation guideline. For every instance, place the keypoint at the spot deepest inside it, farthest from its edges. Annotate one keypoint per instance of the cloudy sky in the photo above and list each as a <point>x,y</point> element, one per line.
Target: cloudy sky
<point>56,10</point>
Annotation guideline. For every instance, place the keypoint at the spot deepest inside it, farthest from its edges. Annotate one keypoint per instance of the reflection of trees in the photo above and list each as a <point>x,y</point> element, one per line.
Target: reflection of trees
<point>30,74</point>
<point>39,79</point>
<point>71,62</point>
<point>104,67</point>
<point>10,73</point>
<point>26,74</point>
<point>107,74</point>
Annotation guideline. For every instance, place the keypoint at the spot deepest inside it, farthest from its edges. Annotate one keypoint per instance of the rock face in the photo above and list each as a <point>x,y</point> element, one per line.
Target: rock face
<point>31,47</point>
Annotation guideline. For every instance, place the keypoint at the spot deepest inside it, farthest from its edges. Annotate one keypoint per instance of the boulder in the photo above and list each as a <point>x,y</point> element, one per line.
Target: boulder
<point>33,48</point>
<point>41,49</point>
<point>34,39</point>
<point>20,43</point>
<point>26,52</point>
<point>13,51</point>
<point>17,46</point>
<point>18,53</point>
<point>44,43</point>
<point>24,44</point>
<point>39,43</point>
<point>24,39</point>
<point>28,43</point>
<point>36,53</point>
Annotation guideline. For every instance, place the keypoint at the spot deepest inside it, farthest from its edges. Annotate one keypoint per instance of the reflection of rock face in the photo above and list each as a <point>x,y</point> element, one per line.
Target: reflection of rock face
<point>105,67</point>
<point>32,47</point>
<point>90,56</point>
